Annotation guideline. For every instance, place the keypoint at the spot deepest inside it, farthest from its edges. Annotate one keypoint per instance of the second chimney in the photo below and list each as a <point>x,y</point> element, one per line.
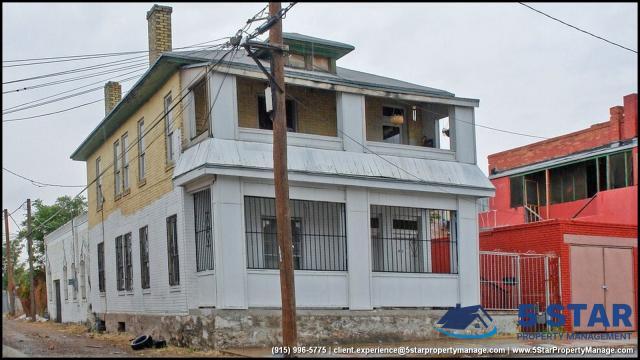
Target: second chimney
<point>159,19</point>
<point>112,95</point>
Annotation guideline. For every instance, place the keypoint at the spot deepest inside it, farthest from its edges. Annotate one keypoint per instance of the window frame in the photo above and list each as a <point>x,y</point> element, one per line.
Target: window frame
<point>203,231</point>
<point>117,182</point>
<point>141,152</point>
<point>119,264</point>
<point>126,185</point>
<point>172,250</point>
<point>101,279</point>
<point>128,262</point>
<point>386,121</point>
<point>204,83</point>
<point>99,194</point>
<point>260,98</point>
<point>145,276</point>
<point>168,129</point>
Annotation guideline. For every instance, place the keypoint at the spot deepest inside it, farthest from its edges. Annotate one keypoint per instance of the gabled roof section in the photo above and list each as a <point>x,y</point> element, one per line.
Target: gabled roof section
<point>141,91</point>
<point>305,44</point>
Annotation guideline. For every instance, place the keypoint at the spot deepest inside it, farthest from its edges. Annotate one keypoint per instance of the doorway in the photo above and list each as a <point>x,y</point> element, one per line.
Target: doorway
<point>602,275</point>
<point>56,284</point>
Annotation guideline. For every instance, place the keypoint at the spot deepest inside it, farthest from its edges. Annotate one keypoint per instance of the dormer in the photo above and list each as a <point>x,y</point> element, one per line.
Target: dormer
<point>313,54</point>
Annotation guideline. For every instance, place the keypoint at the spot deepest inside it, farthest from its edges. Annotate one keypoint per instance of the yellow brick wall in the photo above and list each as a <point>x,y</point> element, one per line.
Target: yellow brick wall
<point>157,174</point>
<point>374,120</point>
<point>316,115</point>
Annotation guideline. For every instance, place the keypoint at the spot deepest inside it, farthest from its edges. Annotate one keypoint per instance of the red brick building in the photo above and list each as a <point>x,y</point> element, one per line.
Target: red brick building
<point>574,196</point>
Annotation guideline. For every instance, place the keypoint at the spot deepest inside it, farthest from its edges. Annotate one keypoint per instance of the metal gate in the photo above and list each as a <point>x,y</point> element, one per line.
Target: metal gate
<point>510,279</point>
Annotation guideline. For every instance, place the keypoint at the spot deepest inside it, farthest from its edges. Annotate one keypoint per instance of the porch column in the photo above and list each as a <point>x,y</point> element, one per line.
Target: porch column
<point>229,242</point>
<point>468,252</point>
<point>224,114</point>
<point>463,133</point>
<point>351,121</point>
<point>358,249</point>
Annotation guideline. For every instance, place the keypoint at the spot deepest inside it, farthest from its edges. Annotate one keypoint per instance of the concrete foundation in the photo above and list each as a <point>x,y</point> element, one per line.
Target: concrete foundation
<point>219,329</point>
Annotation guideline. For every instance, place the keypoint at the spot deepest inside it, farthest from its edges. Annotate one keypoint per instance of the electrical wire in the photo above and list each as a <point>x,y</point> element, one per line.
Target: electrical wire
<point>99,55</point>
<point>39,183</point>
<point>577,28</point>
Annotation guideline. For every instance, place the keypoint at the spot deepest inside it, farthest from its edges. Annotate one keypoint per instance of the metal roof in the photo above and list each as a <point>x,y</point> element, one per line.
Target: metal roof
<point>223,154</point>
<point>565,160</point>
<point>306,44</point>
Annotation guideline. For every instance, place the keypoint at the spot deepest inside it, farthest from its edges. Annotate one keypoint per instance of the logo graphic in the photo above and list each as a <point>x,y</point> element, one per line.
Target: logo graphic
<point>469,322</point>
<point>617,315</point>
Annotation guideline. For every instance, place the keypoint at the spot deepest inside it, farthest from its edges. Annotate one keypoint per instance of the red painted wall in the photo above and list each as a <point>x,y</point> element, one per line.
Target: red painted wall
<point>547,237</point>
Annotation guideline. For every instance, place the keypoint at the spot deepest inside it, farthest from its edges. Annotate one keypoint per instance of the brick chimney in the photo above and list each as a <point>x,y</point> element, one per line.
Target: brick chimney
<point>159,19</point>
<point>112,94</point>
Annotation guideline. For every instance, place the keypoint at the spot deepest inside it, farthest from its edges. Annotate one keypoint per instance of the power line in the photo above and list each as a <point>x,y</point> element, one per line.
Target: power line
<point>24,107</point>
<point>577,28</point>
<point>18,208</point>
<point>132,61</point>
<point>87,76</point>
<point>53,113</point>
<point>39,183</point>
<point>99,55</point>
<point>158,120</point>
<point>161,117</point>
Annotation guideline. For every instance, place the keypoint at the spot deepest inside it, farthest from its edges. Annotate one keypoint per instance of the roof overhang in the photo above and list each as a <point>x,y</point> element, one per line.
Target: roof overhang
<point>140,93</point>
<point>566,160</point>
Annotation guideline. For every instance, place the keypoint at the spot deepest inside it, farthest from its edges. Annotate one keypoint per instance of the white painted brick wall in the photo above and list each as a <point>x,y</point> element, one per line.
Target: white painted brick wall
<point>60,250</point>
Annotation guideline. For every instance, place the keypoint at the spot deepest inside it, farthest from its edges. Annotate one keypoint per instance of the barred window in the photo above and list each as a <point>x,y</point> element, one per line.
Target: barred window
<point>128,263</point>
<point>101,284</point>
<point>119,264</point>
<point>74,280</point>
<point>144,257</point>
<point>172,250</point>
<point>413,240</point>
<point>83,291</point>
<point>202,217</point>
<point>66,283</point>
<point>318,230</point>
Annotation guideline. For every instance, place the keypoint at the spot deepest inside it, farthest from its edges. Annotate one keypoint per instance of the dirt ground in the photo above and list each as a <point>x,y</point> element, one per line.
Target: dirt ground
<point>50,339</point>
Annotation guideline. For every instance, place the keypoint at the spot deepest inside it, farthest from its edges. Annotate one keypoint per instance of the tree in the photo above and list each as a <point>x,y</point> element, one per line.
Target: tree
<point>16,248</point>
<point>43,222</point>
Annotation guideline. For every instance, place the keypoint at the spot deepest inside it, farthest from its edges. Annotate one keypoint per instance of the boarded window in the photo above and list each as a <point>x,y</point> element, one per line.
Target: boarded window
<point>119,264</point>
<point>321,63</point>
<point>264,118</point>
<point>128,263</point>
<point>144,257</point>
<point>101,284</point>
<point>172,250</point>
<point>296,60</point>
<point>201,107</point>
<point>202,217</point>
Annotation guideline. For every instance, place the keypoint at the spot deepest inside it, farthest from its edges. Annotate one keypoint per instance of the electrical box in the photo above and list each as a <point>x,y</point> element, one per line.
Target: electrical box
<point>267,99</point>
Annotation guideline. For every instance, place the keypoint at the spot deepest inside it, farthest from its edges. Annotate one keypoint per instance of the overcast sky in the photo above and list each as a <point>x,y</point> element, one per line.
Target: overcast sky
<point>531,74</point>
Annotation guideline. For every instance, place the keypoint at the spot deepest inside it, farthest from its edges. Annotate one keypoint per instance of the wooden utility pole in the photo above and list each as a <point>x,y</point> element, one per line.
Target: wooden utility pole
<point>281,178</point>
<point>9,269</point>
<point>32,295</point>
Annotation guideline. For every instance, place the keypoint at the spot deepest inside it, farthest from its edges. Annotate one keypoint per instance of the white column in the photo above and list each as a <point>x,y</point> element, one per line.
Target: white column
<point>468,252</point>
<point>463,133</point>
<point>358,249</point>
<point>229,242</point>
<point>224,114</point>
<point>351,120</point>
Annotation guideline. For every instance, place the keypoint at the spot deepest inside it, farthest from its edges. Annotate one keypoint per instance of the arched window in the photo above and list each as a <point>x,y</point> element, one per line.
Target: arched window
<point>83,291</point>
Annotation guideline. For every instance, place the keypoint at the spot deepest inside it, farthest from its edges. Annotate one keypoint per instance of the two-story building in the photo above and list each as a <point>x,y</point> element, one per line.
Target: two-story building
<point>181,198</point>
